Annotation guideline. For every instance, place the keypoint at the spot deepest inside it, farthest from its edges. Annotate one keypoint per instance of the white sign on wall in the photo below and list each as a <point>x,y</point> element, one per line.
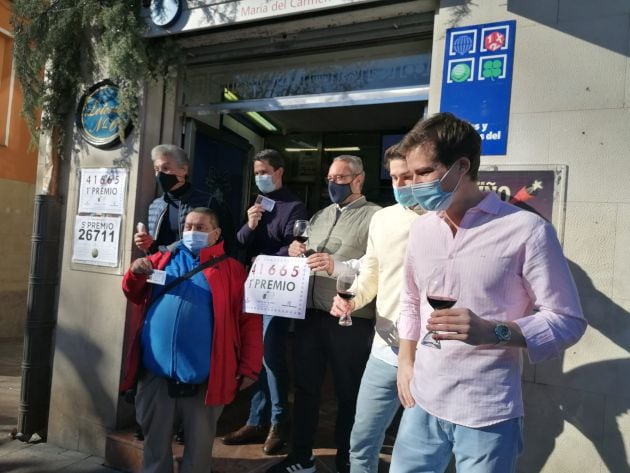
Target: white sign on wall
<point>102,190</point>
<point>212,13</point>
<point>96,240</point>
<point>277,285</point>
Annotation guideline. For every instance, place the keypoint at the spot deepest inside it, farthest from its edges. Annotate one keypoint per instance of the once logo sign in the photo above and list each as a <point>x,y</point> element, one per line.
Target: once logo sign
<point>98,119</point>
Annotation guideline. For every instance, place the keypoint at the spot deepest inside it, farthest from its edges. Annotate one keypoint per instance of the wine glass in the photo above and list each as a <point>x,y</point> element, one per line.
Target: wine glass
<point>442,293</point>
<point>346,289</point>
<point>300,231</point>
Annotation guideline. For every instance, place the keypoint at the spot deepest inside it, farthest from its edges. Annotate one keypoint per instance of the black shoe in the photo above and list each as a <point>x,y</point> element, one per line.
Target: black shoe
<point>294,465</point>
<point>179,436</point>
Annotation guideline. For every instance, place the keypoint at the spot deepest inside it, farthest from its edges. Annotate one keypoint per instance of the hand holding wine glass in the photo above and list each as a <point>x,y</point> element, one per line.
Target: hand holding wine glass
<point>301,230</point>
<point>442,293</point>
<point>346,289</point>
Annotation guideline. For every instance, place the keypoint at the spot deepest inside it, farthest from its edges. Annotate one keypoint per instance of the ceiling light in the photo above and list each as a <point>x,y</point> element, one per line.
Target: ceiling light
<point>230,96</point>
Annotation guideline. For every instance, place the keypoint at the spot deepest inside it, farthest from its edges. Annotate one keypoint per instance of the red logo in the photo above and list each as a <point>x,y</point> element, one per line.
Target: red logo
<point>494,41</point>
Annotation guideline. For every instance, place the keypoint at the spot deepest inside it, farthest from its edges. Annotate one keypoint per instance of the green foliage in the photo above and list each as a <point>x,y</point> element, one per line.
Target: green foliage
<point>63,46</point>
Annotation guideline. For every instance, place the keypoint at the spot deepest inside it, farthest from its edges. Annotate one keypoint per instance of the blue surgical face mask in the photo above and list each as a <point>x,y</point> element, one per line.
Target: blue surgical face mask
<point>194,240</point>
<point>404,196</point>
<point>338,192</point>
<point>431,197</point>
<point>265,184</point>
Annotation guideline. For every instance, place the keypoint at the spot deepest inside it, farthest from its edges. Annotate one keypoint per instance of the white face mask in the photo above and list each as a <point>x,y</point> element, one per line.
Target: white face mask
<point>194,240</point>
<point>265,184</point>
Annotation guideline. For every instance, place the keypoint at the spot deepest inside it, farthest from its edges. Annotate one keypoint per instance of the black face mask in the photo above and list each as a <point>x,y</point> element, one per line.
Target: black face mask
<point>166,181</point>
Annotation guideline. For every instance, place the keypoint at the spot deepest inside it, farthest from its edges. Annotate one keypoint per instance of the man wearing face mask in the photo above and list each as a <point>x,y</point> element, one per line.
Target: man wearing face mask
<point>195,347</point>
<point>269,232</point>
<point>380,276</point>
<point>516,296</point>
<point>341,231</point>
<point>168,212</point>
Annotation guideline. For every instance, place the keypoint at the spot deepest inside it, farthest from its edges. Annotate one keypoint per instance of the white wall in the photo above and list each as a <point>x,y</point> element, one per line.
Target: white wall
<point>570,105</point>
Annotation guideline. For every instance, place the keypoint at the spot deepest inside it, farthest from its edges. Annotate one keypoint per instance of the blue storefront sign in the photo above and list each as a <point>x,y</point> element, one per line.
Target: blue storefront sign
<point>477,80</point>
<point>98,120</point>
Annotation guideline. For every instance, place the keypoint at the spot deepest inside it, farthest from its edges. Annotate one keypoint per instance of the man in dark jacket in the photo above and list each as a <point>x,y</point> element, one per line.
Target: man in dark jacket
<point>168,212</point>
<point>193,341</point>
<point>269,231</point>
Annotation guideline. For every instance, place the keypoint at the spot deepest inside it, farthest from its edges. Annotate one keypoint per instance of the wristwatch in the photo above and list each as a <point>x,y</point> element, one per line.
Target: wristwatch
<point>503,334</point>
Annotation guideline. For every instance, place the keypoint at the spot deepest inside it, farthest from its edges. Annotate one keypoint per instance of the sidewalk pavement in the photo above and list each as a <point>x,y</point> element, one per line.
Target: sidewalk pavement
<point>20,457</point>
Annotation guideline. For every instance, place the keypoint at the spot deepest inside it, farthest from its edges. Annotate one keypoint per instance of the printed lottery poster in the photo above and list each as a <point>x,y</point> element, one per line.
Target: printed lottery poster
<point>96,240</point>
<point>277,285</point>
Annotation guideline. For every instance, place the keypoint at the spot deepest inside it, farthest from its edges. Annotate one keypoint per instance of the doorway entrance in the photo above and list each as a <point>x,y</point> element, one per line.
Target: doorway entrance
<point>310,139</point>
<point>311,108</point>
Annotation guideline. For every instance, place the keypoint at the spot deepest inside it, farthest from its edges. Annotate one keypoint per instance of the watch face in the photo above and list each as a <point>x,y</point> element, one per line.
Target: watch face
<point>503,333</point>
<point>165,12</point>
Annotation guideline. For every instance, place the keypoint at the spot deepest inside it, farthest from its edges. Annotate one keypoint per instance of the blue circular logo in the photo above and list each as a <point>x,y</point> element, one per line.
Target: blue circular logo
<point>98,119</point>
<point>462,44</point>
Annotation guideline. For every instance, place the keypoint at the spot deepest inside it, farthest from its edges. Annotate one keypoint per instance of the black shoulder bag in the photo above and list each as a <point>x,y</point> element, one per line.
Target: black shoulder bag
<point>189,274</point>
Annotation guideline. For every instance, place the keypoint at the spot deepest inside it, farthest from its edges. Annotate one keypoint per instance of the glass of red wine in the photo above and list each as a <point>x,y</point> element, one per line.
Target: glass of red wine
<point>300,231</point>
<point>346,289</point>
<point>442,293</point>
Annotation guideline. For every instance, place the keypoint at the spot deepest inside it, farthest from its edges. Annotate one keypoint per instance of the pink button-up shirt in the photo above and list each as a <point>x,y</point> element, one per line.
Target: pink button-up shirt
<point>510,267</point>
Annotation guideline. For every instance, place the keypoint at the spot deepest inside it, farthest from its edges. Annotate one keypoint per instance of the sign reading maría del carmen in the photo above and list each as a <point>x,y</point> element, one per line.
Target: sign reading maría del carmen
<point>211,13</point>
<point>98,119</point>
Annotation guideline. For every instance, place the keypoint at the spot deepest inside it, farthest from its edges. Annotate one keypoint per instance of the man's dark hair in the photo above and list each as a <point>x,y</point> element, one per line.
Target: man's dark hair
<point>212,215</point>
<point>448,138</point>
<point>273,158</point>
<point>391,153</point>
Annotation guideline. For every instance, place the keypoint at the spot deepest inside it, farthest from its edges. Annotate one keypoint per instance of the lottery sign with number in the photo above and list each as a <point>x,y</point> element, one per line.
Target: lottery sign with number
<point>277,285</point>
<point>102,190</point>
<point>96,240</point>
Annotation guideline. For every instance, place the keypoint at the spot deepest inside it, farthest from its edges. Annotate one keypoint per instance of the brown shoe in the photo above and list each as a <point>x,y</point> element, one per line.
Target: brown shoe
<point>244,435</point>
<point>275,441</point>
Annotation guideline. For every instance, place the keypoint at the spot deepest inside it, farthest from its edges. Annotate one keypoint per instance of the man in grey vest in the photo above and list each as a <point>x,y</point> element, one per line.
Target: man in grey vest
<point>340,231</point>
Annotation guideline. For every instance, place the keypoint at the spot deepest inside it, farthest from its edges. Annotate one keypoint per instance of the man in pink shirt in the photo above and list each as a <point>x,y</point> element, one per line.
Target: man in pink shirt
<point>516,296</point>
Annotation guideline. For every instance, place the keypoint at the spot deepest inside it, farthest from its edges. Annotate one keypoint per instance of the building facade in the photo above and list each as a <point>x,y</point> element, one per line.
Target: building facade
<point>318,79</point>
<point>17,184</point>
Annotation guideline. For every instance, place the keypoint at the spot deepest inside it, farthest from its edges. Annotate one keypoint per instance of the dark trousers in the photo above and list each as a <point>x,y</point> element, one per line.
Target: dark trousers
<point>319,339</point>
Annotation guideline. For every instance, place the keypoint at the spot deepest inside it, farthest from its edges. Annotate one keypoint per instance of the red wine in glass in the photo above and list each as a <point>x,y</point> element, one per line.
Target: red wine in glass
<point>346,295</point>
<point>300,231</point>
<point>346,289</point>
<point>442,293</point>
<point>438,302</point>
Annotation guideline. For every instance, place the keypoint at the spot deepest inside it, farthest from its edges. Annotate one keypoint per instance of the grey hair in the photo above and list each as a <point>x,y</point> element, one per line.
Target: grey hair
<point>355,163</point>
<point>175,152</point>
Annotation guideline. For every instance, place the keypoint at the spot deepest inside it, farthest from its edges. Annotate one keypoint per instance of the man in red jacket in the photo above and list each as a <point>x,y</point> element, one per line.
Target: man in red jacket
<point>178,327</point>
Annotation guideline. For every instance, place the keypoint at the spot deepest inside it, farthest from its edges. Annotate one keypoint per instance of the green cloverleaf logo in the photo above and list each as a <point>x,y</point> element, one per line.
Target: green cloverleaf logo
<point>492,69</point>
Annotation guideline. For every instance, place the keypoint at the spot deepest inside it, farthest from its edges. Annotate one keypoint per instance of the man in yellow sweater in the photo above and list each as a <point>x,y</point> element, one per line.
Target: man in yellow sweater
<point>380,272</point>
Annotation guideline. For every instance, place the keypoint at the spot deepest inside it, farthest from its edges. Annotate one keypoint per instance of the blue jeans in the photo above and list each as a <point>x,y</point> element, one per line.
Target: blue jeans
<point>377,405</point>
<point>424,444</point>
<point>270,393</point>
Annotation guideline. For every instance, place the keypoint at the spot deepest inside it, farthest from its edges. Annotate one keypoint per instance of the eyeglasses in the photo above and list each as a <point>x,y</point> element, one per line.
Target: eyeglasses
<point>339,177</point>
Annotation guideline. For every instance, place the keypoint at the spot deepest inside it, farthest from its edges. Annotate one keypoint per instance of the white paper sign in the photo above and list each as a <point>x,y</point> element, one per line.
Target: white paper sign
<point>102,190</point>
<point>277,285</point>
<point>96,240</point>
